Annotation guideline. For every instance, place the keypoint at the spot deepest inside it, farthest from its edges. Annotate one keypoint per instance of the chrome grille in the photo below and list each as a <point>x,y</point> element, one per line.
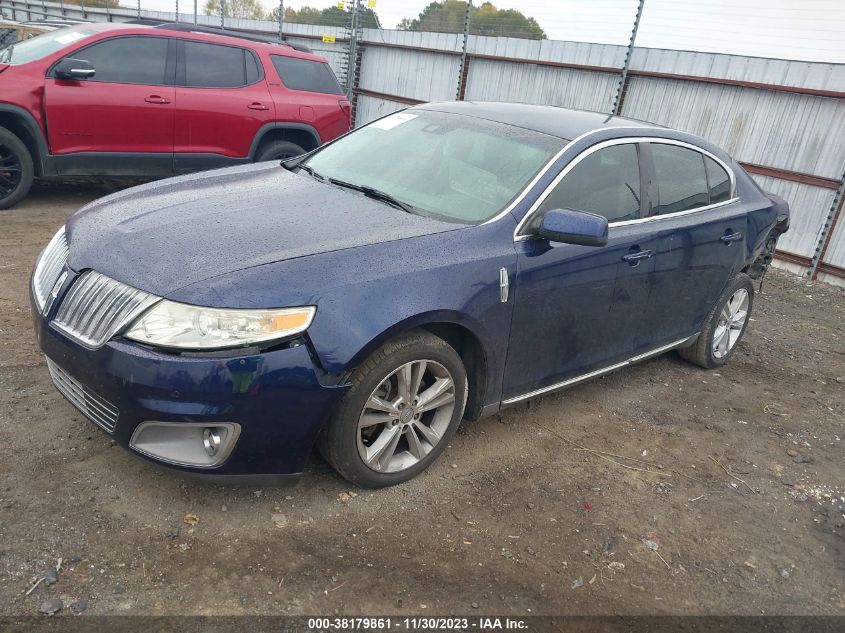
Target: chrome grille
<point>99,410</point>
<point>97,307</point>
<point>50,265</point>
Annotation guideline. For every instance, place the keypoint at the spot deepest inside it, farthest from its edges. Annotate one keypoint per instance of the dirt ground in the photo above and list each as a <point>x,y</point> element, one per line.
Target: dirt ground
<point>744,502</point>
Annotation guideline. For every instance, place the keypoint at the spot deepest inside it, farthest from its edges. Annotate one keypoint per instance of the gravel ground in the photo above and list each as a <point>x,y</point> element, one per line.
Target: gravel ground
<point>741,512</point>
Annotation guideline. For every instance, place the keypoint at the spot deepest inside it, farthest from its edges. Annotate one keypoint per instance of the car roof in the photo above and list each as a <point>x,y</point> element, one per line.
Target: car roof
<point>276,48</point>
<point>565,123</point>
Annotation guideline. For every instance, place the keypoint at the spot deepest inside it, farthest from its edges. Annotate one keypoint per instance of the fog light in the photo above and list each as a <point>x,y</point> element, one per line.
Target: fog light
<point>186,443</point>
<point>211,440</point>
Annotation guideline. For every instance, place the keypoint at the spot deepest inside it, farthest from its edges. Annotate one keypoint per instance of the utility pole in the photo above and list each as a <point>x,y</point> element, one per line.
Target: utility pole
<point>177,10</point>
<point>195,11</point>
<point>222,14</point>
<point>623,82</point>
<point>462,73</point>
<point>281,19</point>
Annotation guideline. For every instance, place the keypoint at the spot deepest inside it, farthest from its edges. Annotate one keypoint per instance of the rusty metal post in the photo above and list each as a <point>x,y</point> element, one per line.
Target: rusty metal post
<point>833,217</point>
<point>462,73</point>
<point>623,81</point>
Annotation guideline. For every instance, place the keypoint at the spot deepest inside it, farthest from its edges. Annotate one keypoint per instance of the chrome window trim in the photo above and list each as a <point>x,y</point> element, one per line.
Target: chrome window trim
<point>517,236</point>
<point>543,171</point>
<point>668,216</point>
<point>599,372</point>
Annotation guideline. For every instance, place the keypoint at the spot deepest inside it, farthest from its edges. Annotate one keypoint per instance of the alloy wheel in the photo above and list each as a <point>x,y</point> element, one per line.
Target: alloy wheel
<point>731,321</point>
<point>10,171</point>
<point>406,416</point>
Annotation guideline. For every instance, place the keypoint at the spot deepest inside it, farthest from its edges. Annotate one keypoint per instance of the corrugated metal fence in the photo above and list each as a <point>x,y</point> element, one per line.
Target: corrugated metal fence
<point>784,120</point>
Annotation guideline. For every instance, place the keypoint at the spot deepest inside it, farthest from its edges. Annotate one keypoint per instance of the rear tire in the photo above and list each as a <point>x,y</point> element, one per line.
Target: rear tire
<point>724,326</point>
<point>278,150</point>
<point>16,169</point>
<point>383,435</point>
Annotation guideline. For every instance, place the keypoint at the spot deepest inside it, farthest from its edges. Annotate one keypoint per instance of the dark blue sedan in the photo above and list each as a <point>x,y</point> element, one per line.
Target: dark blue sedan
<point>440,263</point>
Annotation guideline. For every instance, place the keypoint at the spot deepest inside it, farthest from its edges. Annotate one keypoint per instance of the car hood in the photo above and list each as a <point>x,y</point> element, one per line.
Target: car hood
<point>166,235</point>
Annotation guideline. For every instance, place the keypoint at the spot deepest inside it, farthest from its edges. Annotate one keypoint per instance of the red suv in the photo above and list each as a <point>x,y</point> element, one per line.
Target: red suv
<point>132,100</point>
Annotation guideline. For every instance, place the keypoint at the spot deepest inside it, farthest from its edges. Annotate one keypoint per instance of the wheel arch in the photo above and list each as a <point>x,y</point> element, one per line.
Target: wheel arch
<point>304,135</point>
<point>23,125</point>
<point>458,331</point>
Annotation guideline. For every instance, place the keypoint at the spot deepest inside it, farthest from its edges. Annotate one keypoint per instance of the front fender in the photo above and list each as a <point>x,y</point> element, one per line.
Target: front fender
<point>367,295</point>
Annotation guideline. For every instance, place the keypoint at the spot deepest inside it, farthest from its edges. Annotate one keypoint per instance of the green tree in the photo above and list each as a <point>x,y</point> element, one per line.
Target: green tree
<point>240,9</point>
<point>331,16</point>
<point>447,16</point>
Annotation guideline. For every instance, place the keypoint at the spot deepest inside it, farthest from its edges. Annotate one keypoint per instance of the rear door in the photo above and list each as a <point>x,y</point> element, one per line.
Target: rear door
<point>309,92</point>
<point>126,109</point>
<point>701,229</point>
<point>221,102</point>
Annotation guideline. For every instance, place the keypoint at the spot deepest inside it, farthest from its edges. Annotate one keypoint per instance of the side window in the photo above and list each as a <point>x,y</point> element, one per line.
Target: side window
<point>718,181</point>
<point>214,66</point>
<point>681,179</point>
<point>116,60</point>
<point>304,74</point>
<point>606,182</point>
<point>253,74</point>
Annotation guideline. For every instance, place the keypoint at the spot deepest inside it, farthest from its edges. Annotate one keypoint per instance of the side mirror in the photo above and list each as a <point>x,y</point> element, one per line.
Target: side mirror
<point>573,227</point>
<point>75,69</point>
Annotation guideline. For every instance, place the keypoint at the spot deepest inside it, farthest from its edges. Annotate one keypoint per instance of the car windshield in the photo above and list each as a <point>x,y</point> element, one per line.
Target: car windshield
<point>41,45</point>
<point>454,167</point>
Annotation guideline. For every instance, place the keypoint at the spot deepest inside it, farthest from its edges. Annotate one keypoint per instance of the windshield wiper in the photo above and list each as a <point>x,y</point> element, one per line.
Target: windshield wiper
<point>375,194</point>
<point>308,170</point>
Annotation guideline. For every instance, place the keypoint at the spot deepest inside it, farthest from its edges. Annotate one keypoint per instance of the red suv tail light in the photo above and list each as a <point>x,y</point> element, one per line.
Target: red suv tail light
<point>346,106</point>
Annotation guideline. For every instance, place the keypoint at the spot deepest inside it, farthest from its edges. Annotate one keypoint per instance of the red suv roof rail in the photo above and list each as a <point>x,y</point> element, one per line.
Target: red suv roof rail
<point>253,37</point>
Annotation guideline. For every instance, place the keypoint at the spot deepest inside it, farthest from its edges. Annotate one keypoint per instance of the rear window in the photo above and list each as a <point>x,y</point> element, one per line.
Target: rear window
<point>304,74</point>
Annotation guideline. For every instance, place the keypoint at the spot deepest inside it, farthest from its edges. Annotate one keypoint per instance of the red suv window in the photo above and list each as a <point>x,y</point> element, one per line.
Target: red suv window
<point>116,60</point>
<point>304,74</point>
<point>218,66</point>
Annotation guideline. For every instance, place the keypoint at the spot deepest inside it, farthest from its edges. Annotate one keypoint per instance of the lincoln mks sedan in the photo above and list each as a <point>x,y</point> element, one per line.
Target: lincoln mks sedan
<point>439,264</point>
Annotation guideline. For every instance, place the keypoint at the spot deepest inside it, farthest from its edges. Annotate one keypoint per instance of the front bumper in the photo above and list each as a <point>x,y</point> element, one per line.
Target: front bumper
<point>280,398</point>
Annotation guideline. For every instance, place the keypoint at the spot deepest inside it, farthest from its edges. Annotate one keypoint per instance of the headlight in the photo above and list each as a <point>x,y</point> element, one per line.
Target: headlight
<point>170,324</point>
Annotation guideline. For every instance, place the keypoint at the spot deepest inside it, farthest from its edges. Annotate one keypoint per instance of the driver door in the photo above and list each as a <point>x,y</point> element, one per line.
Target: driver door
<point>126,109</point>
<point>579,309</point>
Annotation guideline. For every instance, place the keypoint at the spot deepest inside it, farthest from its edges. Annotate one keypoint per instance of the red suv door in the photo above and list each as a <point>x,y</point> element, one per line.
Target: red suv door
<point>126,109</point>
<point>221,102</point>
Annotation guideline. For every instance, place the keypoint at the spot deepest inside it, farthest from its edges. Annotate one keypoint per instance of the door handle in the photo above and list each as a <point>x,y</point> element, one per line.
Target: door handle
<point>729,238</point>
<point>156,99</point>
<point>634,258</point>
<point>258,106</point>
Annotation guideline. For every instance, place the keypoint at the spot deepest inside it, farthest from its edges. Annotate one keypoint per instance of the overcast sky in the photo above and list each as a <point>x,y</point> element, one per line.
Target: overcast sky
<point>794,29</point>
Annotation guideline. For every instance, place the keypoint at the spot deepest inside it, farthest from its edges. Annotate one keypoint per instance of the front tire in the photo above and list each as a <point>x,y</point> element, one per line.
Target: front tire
<point>16,169</point>
<point>724,327</point>
<point>405,403</point>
